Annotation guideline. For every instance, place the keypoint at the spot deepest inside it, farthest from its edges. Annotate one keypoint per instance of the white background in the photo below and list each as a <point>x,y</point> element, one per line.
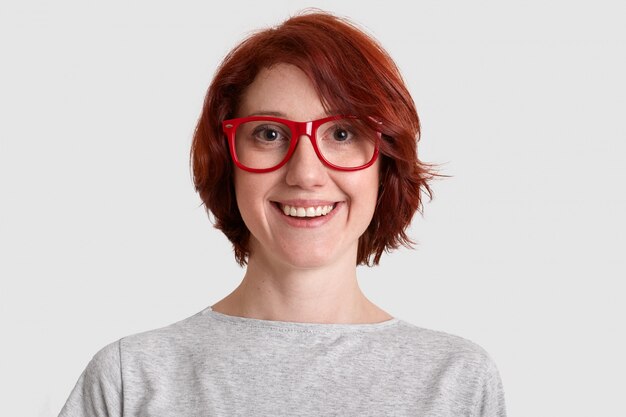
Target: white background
<point>521,251</point>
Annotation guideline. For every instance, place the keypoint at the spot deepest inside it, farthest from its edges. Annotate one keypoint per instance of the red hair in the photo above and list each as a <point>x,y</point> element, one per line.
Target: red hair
<point>352,74</point>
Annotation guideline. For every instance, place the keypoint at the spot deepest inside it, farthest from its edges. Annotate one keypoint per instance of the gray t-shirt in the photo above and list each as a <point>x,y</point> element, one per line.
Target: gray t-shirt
<point>212,364</point>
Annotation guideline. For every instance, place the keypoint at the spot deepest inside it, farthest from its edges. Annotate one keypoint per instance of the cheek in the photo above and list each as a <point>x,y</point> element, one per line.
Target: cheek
<point>364,194</point>
<point>250,192</point>
<point>372,198</point>
<point>374,185</point>
<point>244,192</point>
<point>371,183</point>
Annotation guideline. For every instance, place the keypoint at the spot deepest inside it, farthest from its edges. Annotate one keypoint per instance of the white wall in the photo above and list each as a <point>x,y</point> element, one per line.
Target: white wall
<point>102,235</point>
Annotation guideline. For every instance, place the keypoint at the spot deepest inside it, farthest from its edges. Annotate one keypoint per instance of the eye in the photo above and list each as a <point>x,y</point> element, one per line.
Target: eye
<point>269,133</point>
<point>341,135</point>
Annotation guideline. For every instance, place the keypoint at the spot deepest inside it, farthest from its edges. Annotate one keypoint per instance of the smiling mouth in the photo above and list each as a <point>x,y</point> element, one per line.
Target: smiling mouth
<point>305,212</point>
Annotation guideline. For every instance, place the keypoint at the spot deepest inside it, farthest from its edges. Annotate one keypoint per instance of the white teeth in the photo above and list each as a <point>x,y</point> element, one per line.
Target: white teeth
<point>306,211</point>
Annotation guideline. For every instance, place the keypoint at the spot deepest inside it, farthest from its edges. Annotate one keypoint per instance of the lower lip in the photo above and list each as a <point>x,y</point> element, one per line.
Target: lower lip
<point>312,222</point>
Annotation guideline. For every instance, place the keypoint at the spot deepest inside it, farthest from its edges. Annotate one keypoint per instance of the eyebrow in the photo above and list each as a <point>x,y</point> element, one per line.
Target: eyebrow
<point>284,116</point>
<point>267,113</point>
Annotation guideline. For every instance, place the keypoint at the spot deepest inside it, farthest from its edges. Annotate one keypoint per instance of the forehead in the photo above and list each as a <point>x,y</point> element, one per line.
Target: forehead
<point>285,89</point>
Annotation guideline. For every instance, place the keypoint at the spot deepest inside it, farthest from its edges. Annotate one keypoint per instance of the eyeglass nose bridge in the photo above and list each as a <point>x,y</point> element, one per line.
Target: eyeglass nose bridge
<point>304,128</point>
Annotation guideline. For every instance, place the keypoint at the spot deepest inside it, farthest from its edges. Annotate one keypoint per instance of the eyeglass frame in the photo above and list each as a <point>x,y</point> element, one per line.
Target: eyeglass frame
<point>298,129</point>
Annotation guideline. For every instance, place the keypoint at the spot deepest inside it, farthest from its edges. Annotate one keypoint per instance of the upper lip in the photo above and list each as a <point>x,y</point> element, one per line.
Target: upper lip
<point>305,203</point>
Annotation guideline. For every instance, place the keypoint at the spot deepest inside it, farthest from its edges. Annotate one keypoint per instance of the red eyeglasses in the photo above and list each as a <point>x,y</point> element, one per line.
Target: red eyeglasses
<point>265,143</point>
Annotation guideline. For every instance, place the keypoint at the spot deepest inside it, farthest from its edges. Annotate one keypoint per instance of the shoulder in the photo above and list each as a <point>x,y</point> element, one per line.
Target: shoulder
<point>175,340</point>
<point>106,360</point>
<point>460,365</point>
<point>440,341</point>
<point>98,391</point>
<point>170,335</point>
<point>458,354</point>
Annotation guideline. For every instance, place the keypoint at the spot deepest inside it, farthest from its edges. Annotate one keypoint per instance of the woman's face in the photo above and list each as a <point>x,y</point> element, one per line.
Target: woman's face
<point>304,182</point>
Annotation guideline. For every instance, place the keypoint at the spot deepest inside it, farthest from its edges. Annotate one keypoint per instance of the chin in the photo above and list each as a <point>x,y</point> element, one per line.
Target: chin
<point>309,259</point>
<point>299,254</point>
<point>307,256</point>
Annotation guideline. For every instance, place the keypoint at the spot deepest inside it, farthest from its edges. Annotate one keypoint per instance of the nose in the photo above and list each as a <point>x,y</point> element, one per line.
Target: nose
<point>304,169</point>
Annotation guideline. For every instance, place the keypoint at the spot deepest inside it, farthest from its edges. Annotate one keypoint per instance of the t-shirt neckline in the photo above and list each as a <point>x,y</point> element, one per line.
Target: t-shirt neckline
<point>299,326</point>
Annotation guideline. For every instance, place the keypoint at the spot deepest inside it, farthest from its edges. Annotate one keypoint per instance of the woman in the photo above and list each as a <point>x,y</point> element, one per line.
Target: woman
<point>305,154</point>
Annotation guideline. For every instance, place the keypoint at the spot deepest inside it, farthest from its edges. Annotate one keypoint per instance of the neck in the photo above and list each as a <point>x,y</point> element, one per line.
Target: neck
<point>328,294</point>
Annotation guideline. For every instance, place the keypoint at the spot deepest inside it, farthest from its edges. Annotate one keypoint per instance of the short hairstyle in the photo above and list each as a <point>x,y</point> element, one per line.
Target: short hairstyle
<point>352,74</point>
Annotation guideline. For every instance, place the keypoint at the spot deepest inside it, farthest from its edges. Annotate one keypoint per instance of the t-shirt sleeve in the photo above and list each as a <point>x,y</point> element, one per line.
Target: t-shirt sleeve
<point>490,399</point>
<point>98,392</point>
